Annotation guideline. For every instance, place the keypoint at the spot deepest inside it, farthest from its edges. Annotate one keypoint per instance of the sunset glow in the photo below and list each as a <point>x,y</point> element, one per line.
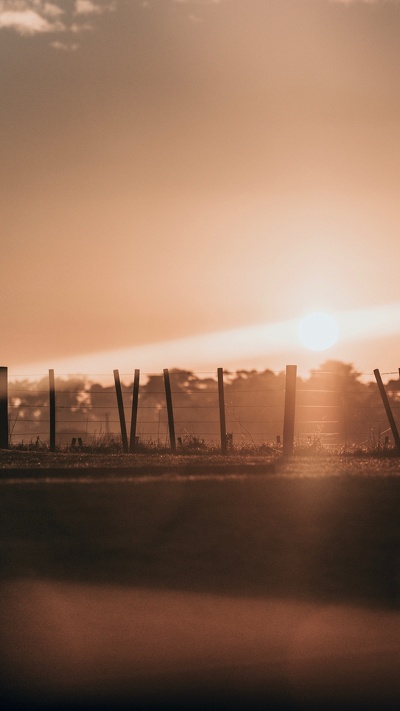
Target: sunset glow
<point>200,354</point>
<point>176,177</point>
<point>263,345</point>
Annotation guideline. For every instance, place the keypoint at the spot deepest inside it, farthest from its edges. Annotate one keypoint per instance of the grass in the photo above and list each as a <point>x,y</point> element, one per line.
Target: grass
<point>106,452</point>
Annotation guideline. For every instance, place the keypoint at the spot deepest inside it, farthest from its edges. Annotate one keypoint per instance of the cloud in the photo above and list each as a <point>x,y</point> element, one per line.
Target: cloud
<point>52,10</point>
<point>64,46</point>
<point>88,7</point>
<point>31,17</point>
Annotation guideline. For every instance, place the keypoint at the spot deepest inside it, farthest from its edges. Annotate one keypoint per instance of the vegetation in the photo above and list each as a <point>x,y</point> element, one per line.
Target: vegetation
<point>335,409</point>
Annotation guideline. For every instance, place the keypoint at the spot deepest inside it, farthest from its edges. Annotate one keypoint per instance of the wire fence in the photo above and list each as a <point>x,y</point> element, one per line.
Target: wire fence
<point>333,408</point>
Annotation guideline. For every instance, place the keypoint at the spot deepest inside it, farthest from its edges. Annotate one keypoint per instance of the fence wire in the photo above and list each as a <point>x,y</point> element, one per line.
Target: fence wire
<point>332,408</point>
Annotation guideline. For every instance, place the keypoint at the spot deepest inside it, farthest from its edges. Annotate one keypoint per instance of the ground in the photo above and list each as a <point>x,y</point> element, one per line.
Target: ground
<point>320,464</point>
<point>163,583</point>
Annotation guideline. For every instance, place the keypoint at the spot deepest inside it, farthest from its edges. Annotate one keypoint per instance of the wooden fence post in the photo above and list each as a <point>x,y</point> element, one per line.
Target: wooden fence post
<point>4,442</point>
<point>52,416</point>
<point>290,409</point>
<point>222,421</point>
<point>135,402</point>
<point>388,409</point>
<point>121,412</point>
<point>170,412</point>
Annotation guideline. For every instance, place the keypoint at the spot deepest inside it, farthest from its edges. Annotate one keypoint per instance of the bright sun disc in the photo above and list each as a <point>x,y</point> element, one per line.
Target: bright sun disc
<point>318,331</point>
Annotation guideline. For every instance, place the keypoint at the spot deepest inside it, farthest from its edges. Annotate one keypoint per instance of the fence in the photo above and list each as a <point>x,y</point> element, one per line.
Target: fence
<point>179,410</point>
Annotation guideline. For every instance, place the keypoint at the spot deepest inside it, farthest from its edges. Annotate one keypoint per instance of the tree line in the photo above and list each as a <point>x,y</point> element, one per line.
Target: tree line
<point>333,405</point>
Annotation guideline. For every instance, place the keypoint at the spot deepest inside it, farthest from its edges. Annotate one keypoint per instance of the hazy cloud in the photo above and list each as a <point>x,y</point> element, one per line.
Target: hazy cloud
<point>88,7</point>
<point>25,22</point>
<point>64,46</point>
<point>30,17</point>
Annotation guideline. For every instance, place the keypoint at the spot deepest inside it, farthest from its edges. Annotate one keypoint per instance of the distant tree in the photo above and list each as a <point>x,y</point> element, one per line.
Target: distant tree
<point>254,405</point>
<point>29,407</point>
<point>332,403</point>
<point>337,399</point>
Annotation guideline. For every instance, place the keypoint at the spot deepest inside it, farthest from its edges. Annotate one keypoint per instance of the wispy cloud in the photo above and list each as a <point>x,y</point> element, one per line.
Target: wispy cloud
<point>31,17</point>
<point>65,46</point>
<point>28,18</point>
<point>88,7</point>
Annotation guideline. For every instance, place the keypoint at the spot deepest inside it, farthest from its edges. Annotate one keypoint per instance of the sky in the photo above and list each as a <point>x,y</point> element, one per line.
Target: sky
<point>183,180</point>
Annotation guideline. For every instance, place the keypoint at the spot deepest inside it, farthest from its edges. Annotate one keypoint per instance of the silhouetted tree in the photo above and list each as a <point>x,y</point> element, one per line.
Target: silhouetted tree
<point>332,403</point>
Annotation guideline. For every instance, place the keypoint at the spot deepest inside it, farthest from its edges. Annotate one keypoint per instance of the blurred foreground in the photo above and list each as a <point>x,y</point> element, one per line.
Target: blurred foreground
<point>70,645</point>
<point>239,592</point>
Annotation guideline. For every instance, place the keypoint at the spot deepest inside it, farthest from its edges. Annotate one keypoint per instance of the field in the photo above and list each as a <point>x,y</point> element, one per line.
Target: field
<point>192,583</point>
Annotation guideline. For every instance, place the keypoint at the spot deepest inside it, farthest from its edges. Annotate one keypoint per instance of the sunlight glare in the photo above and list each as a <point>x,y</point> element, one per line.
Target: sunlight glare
<point>318,331</point>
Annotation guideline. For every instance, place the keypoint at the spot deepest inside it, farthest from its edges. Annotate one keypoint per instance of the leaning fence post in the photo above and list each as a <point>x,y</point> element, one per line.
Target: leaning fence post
<point>388,409</point>
<point>4,442</point>
<point>170,412</point>
<point>290,408</point>
<point>222,421</point>
<point>121,412</point>
<point>135,402</point>
<point>52,416</point>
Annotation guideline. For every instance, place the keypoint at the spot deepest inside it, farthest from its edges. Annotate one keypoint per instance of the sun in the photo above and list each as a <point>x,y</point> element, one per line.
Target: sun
<point>318,331</point>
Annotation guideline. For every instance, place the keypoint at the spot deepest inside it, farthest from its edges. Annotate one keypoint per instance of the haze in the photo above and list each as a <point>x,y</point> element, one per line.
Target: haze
<point>176,169</point>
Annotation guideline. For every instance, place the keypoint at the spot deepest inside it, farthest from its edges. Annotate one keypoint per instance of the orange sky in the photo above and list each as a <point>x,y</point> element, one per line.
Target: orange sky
<point>171,169</point>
